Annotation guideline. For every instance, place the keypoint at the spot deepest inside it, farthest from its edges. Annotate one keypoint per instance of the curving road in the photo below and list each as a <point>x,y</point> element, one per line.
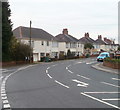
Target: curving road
<point>62,84</point>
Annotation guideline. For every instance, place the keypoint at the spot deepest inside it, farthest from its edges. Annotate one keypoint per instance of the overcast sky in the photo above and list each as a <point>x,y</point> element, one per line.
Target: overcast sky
<point>98,17</point>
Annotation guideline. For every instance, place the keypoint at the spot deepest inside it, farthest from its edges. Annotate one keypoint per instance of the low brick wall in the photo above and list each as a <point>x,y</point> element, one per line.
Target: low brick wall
<point>12,63</point>
<point>111,65</point>
<point>94,55</point>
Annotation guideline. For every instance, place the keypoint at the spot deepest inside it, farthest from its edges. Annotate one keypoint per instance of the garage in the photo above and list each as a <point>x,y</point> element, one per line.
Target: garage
<point>35,57</point>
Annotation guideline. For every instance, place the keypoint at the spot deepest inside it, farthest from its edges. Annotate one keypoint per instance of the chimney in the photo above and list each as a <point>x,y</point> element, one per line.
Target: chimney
<point>99,37</point>
<point>65,31</point>
<point>105,39</point>
<point>87,34</point>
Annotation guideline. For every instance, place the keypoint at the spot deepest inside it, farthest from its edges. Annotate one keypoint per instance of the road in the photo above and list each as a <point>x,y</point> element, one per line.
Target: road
<point>61,84</point>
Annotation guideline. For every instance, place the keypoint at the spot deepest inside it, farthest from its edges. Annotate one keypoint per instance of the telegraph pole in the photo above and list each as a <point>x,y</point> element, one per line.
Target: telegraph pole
<point>30,40</point>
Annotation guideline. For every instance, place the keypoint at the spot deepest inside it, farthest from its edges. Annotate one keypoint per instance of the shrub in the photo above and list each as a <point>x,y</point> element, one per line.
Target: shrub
<point>112,60</point>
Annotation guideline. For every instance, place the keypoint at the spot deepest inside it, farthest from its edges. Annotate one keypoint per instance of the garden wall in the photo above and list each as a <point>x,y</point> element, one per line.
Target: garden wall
<point>113,65</point>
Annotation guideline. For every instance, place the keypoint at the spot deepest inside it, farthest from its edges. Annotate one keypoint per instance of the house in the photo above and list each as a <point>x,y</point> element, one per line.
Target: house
<point>87,39</point>
<point>101,45</point>
<point>45,44</point>
<point>42,42</point>
<point>68,42</point>
<point>110,45</point>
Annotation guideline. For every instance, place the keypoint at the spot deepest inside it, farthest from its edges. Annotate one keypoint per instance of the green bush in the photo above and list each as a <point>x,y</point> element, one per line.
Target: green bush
<point>112,60</point>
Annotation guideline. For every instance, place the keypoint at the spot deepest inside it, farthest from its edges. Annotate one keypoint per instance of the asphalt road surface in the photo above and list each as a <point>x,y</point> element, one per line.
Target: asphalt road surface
<point>62,84</point>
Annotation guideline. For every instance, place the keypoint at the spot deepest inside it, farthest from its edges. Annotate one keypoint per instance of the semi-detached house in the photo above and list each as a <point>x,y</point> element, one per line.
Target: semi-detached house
<point>43,43</point>
<point>68,42</point>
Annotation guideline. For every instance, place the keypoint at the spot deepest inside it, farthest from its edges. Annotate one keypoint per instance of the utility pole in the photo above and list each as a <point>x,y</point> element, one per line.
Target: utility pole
<point>30,40</point>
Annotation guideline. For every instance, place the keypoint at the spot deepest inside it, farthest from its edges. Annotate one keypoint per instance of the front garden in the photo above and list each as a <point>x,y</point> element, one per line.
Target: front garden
<point>112,63</point>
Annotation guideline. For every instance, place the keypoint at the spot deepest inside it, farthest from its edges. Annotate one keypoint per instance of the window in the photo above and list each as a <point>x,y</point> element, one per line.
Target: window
<point>42,43</point>
<point>54,44</point>
<point>47,43</point>
<point>67,45</point>
<point>42,54</point>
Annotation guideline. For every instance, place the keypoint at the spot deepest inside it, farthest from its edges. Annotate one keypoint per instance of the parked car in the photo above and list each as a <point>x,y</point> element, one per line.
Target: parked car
<point>102,56</point>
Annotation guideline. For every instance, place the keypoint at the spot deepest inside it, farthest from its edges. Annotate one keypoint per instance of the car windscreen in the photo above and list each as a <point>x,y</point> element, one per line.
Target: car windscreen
<point>102,55</point>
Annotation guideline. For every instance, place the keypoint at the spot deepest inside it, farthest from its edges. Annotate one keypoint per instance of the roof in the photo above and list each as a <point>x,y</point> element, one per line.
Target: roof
<point>86,40</point>
<point>100,41</point>
<point>65,38</point>
<point>24,32</point>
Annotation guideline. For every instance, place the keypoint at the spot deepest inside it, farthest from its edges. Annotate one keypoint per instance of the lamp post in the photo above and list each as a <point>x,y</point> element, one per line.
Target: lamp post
<point>30,40</point>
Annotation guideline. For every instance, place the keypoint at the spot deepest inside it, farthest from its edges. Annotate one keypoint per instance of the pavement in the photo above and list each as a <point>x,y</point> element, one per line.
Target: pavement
<point>100,66</point>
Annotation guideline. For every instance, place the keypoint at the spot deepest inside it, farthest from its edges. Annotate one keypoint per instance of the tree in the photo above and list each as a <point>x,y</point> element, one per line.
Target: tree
<point>22,51</point>
<point>119,48</point>
<point>69,54</point>
<point>88,46</point>
<point>6,31</point>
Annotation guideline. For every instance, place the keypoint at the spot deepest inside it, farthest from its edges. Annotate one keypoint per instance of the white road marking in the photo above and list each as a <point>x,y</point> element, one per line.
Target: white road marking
<point>83,84</point>
<point>62,84</point>
<point>46,71</point>
<point>5,101</point>
<point>54,65</point>
<point>113,99</point>
<point>100,100</point>
<point>70,71</point>
<point>1,77</point>
<point>49,76</point>
<point>48,68</point>
<point>3,91</point>
<point>102,92</point>
<point>111,84</point>
<point>116,79</point>
<point>4,97</point>
<point>6,106</point>
<point>91,62</point>
<point>83,77</point>
<point>78,62</point>
<point>66,68</point>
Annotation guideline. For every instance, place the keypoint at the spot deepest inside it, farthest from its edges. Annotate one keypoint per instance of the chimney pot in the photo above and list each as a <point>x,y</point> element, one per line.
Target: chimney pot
<point>65,31</point>
<point>99,37</point>
<point>87,34</point>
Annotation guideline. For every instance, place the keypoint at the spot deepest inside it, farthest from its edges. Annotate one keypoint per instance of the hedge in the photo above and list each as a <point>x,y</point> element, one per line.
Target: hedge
<point>112,60</point>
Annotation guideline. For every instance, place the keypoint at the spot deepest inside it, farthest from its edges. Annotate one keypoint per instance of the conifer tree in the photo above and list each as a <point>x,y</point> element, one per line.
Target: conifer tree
<point>6,31</point>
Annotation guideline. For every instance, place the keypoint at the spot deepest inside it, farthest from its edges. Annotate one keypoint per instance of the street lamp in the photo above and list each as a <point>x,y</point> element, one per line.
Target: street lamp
<point>30,40</point>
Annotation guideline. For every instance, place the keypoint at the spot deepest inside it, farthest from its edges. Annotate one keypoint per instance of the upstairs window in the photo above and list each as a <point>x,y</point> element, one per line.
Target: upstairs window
<point>47,43</point>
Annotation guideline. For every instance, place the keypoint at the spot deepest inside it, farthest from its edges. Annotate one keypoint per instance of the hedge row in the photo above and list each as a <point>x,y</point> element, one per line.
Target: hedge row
<point>112,60</point>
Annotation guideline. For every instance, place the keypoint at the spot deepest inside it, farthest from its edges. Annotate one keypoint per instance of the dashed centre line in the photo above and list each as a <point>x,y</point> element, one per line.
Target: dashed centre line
<point>70,71</point>
<point>83,77</point>
<point>116,79</point>
<point>62,84</point>
<point>49,76</point>
<point>111,84</point>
